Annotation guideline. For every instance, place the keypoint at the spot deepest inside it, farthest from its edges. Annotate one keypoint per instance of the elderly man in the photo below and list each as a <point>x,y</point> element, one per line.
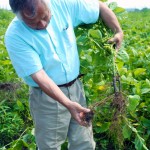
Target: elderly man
<point>42,47</point>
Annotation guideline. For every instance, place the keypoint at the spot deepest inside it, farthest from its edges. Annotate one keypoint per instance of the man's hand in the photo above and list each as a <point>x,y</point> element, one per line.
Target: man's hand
<point>78,113</point>
<point>117,40</point>
<point>110,19</point>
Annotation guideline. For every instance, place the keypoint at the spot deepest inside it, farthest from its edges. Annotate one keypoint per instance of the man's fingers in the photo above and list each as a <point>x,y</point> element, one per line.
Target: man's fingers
<point>110,41</point>
<point>117,40</point>
<point>81,114</point>
<point>116,43</point>
<point>78,112</point>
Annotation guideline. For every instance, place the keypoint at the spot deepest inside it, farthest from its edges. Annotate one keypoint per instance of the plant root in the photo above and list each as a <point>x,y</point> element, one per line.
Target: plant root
<point>89,117</point>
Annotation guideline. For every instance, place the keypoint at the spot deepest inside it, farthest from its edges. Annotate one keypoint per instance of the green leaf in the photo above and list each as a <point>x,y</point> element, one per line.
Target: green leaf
<point>112,5</point>
<point>126,132</point>
<point>103,127</point>
<point>133,102</point>
<point>87,58</point>
<point>81,40</point>
<point>145,90</point>
<point>95,33</point>
<point>145,122</point>
<point>18,145</point>
<point>120,64</point>
<point>147,82</point>
<point>119,10</point>
<point>104,0</point>
<point>3,148</point>
<point>6,62</point>
<point>99,124</point>
<point>140,143</point>
<point>139,71</point>
<point>123,55</point>
<point>33,131</point>
<point>20,105</point>
<point>133,52</point>
<point>32,146</point>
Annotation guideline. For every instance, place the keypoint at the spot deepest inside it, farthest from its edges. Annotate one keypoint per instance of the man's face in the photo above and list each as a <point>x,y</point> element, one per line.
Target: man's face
<point>40,20</point>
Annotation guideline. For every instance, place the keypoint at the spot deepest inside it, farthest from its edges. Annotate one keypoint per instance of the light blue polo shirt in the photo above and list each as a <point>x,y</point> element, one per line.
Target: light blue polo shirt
<point>54,49</point>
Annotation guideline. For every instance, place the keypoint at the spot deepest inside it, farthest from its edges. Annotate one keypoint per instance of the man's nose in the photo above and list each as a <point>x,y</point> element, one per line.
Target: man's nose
<point>42,24</point>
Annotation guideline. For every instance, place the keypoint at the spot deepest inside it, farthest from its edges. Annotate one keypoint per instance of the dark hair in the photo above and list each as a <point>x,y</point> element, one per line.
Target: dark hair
<point>21,5</point>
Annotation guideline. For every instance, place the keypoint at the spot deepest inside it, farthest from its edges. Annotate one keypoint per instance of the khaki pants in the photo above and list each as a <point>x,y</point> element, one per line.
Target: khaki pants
<point>53,122</point>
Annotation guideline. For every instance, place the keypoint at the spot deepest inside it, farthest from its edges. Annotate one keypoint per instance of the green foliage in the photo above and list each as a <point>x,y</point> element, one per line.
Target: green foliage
<point>135,75</point>
<point>133,65</point>
<point>25,141</point>
<point>15,117</point>
<point>10,124</point>
<point>7,72</point>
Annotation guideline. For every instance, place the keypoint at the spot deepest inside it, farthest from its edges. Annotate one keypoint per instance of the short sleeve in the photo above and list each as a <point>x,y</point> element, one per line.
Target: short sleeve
<point>84,11</point>
<point>24,58</point>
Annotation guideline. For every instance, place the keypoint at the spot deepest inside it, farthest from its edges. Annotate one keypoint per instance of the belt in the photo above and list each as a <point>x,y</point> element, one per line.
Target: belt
<point>71,82</point>
<point>66,84</point>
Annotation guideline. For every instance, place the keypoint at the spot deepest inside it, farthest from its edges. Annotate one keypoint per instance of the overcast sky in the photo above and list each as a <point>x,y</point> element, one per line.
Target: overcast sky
<point>132,3</point>
<point>123,3</point>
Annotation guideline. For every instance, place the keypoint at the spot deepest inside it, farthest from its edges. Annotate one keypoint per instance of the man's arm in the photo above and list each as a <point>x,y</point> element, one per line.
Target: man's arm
<point>111,21</point>
<point>51,89</point>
